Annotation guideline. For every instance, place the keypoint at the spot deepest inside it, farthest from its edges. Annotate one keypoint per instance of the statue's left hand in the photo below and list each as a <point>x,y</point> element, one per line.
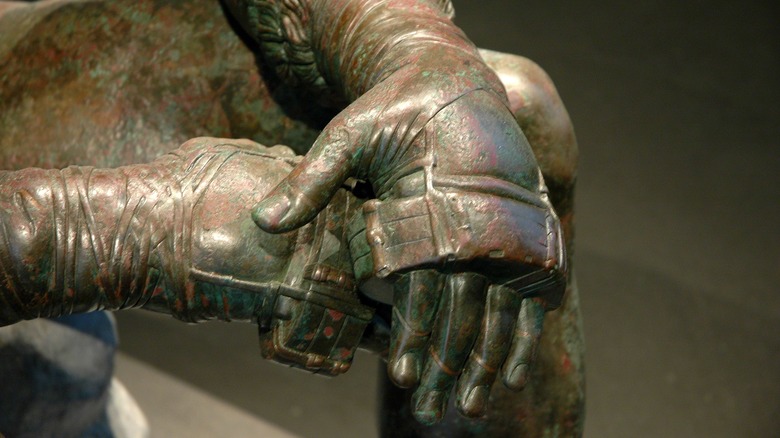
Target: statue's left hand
<point>464,312</point>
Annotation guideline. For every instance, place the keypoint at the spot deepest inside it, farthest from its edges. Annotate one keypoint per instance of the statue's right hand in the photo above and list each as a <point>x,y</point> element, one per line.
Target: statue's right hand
<point>459,315</point>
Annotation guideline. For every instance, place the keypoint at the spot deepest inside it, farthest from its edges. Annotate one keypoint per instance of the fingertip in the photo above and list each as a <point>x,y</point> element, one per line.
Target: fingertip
<point>429,406</point>
<point>474,403</point>
<point>517,377</point>
<point>405,371</point>
<point>270,213</point>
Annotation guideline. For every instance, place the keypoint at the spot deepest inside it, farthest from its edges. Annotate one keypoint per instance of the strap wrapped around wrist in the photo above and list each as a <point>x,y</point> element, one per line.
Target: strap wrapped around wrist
<point>282,29</point>
<point>515,240</point>
<point>280,26</point>
<point>318,320</point>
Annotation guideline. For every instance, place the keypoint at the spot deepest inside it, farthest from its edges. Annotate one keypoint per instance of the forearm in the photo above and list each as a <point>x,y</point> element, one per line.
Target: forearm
<point>176,236</point>
<point>359,43</point>
<point>83,239</point>
<point>345,47</point>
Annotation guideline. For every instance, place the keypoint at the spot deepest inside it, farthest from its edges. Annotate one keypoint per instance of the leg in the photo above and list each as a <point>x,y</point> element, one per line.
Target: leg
<point>552,403</point>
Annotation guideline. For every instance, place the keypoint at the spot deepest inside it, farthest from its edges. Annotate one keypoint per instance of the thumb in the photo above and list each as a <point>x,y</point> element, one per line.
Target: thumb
<point>311,184</point>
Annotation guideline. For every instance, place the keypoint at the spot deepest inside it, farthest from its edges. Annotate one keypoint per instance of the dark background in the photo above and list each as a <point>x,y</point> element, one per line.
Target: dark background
<point>678,252</point>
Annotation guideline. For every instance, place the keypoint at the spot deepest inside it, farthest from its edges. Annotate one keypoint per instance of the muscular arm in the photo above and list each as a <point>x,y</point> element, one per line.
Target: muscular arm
<point>348,46</point>
<point>82,239</point>
<point>176,236</point>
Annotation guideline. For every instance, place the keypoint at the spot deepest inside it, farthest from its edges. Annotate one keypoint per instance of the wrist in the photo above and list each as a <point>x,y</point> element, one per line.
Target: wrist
<point>339,49</point>
<point>360,43</point>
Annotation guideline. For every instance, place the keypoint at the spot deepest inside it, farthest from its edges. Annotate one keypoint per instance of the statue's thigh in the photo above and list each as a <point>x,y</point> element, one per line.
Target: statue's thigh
<point>552,404</point>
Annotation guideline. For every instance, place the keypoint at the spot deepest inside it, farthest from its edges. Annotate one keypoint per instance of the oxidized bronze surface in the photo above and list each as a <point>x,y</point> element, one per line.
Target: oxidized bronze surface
<point>424,199</point>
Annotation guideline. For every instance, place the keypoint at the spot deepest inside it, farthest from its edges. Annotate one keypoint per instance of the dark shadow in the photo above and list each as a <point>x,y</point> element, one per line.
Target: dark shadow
<point>296,103</point>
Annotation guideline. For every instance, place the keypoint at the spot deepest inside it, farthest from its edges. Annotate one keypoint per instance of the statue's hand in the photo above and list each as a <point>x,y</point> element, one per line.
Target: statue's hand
<point>462,226</point>
<point>470,274</point>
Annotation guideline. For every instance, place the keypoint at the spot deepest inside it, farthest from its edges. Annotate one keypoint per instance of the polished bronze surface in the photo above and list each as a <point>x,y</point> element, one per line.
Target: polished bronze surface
<point>461,250</point>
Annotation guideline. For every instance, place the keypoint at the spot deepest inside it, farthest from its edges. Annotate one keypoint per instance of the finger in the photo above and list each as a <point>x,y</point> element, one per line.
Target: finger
<point>528,331</point>
<point>454,332</point>
<point>311,185</point>
<point>414,307</point>
<point>489,352</point>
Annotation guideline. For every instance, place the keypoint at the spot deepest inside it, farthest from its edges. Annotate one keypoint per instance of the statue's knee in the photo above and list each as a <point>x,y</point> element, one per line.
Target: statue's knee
<point>540,112</point>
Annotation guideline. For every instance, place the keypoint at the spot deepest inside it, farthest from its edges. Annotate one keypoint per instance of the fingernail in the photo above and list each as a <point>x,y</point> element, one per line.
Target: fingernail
<point>404,371</point>
<point>476,402</point>
<point>270,212</point>
<point>428,408</point>
<point>518,378</point>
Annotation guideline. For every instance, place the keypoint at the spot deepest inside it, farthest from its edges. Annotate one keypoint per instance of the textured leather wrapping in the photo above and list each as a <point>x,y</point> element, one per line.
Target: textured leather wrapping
<point>282,29</point>
<point>516,242</point>
<point>317,321</point>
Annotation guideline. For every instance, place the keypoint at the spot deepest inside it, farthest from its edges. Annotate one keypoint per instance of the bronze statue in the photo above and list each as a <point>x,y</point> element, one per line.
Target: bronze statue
<point>420,187</point>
